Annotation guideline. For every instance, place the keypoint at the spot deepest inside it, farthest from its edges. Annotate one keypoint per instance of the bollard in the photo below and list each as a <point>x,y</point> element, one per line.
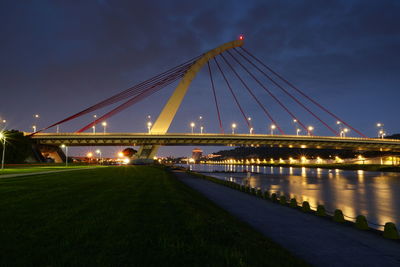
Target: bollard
<point>259,193</point>
<point>306,206</point>
<point>282,200</point>
<point>338,216</point>
<point>293,203</point>
<point>266,194</point>
<point>390,231</point>
<point>274,197</point>
<point>361,223</point>
<point>253,191</point>
<point>321,211</point>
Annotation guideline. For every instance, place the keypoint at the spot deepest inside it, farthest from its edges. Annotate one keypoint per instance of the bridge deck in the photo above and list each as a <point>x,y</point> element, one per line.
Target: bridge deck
<point>179,139</point>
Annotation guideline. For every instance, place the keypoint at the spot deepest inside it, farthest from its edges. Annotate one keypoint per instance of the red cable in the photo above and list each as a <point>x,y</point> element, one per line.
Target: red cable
<point>233,94</point>
<point>215,97</point>
<point>252,94</point>
<point>303,94</point>
<point>132,101</point>
<point>295,99</point>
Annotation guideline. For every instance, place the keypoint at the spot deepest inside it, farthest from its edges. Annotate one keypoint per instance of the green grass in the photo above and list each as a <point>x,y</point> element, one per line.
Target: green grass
<point>34,169</point>
<point>123,216</point>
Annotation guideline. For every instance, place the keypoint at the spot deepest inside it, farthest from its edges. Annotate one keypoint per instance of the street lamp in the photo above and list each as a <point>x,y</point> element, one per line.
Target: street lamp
<point>90,155</point>
<point>104,126</point>
<point>310,129</point>
<point>273,127</point>
<point>381,132</point>
<point>98,151</point>
<point>192,125</point>
<point>34,128</point>
<point>3,137</point>
<point>343,132</point>
<point>149,124</point>
<point>251,130</point>
<point>66,154</point>
<point>233,128</point>
<point>94,129</point>
<point>201,129</point>
<point>298,130</point>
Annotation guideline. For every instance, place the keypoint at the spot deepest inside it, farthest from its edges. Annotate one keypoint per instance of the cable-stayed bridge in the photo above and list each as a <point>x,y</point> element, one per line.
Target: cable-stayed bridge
<point>242,65</point>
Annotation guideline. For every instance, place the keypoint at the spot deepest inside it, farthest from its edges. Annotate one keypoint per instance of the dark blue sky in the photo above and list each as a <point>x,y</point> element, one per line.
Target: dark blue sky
<point>59,57</point>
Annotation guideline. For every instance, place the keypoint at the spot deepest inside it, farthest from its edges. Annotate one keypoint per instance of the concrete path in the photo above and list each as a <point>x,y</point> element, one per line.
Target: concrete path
<point>317,241</point>
<point>43,172</point>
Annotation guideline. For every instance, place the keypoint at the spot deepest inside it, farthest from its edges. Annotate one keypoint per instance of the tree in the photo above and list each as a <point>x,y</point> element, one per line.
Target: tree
<point>18,147</point>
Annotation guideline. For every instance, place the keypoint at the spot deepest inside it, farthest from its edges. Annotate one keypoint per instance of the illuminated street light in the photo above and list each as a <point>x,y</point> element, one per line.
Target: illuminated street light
<point>149,124</point>
<point>273,127</point>
<point>120,154</point>
<point>381,132</point>
<point>251,130</point>
<point>192,125</point>
<point>98,151</point>
<point>233,128</point>
<point>310,129</point>
<point>298,130</point>
<point>66,154</point>
<point>34,128</point>
<point>94,129</point>
<point>201,129</point>
<point>3,138</point>
<point>90,155</point>
<point>343,132</point>
<point>104,125</point>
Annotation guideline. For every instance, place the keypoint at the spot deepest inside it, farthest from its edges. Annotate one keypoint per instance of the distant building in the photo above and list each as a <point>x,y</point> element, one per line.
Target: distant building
<point>197,154</point>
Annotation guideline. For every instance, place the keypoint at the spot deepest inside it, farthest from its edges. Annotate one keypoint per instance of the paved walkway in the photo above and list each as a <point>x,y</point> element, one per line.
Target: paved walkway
<point>43,172</point>
<point>317,241</point>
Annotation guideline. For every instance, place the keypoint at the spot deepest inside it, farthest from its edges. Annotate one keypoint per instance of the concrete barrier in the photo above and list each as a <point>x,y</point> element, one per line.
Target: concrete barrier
<point>338,216</point>
<point>390,231</point>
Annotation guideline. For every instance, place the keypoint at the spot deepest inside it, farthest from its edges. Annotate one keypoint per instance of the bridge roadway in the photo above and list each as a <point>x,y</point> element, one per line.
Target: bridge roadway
<point>185,139</point>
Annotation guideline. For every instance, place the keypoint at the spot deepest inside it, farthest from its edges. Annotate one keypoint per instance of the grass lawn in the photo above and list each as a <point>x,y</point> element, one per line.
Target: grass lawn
<point>32,169</point>
<point>123,216</point>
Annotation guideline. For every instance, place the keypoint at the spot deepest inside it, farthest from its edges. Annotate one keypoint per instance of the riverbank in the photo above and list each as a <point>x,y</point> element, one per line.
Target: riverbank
<point>319,241</point>
<point>364,167</point>
<point>123,216</point>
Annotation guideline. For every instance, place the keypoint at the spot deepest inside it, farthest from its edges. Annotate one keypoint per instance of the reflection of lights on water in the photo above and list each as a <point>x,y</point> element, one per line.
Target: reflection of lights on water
<point>291,170</point>
<point>303,172</point>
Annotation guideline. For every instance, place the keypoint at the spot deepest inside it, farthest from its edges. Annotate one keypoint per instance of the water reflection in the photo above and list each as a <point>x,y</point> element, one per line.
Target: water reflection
<point>372,194</point>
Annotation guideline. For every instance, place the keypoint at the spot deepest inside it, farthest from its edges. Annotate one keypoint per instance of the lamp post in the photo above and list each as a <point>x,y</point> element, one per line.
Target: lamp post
<point>381,132</point>
<point>192,125</point>
<point>149,124</point>
<point>58,128</point>
<point>251,130</point>
<point>104,126</point>
<point>273,127</point>
<point>310,129</point>
<point>34,128</point>
<point>201,129</point>
<point>98,151</point>
<point>94,129</point>
<point>90,155</point>
<point>66,154</point>
<point>343,132</point>
<point>233,128</point>
<point>298,130</point>
<point>3,138</point>
<point>94,126</point>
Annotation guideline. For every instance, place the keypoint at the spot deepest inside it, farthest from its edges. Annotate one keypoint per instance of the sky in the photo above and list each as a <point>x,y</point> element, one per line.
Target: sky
<point>59,57</point>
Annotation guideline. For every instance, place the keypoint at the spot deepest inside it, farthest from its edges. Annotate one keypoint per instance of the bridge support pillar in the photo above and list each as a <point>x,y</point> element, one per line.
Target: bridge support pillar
<point>166,116</point>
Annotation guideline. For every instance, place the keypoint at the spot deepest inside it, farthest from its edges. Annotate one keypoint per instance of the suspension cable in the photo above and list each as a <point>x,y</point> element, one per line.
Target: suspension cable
<point>215,97</point>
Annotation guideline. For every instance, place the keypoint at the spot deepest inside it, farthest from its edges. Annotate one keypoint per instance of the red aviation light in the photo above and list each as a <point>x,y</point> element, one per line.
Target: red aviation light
<point>241,37</point>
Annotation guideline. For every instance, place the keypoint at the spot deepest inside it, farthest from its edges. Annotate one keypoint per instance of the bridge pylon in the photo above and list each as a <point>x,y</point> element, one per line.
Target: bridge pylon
<point>168,113</point>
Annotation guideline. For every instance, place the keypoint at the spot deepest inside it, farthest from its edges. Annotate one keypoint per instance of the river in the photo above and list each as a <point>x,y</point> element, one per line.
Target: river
<point>372,194</point>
